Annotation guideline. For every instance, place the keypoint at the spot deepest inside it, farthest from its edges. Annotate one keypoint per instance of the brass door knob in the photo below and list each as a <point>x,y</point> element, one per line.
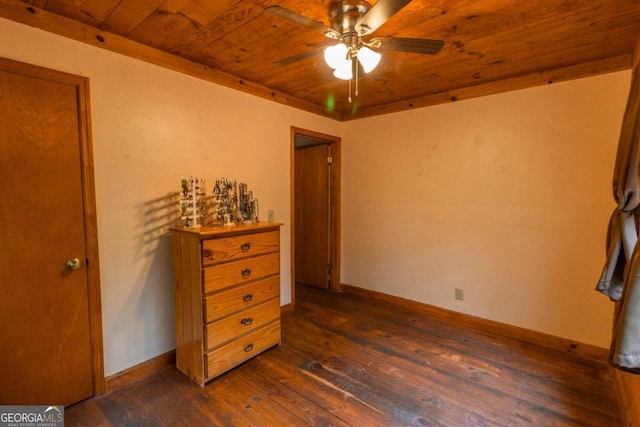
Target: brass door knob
<point>73,264</point>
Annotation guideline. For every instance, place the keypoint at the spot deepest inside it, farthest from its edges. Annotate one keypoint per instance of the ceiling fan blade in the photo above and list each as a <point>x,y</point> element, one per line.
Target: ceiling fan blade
<point>295,18</point>
<point>378,15</point>
<point>430,47</point>
<point>298,57</point>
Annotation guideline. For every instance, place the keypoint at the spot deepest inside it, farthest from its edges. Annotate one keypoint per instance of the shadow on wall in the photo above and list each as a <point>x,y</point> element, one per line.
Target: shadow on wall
<point>153,287</point>
<point>157,216</point>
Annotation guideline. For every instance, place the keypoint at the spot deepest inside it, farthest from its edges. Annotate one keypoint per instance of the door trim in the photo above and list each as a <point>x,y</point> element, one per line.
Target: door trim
<point>334,186</point>
<point>90,217</point>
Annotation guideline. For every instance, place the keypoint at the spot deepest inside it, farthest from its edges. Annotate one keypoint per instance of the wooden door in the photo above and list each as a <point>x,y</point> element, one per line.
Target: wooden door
<point>312,215</point>
<point>45,327</point>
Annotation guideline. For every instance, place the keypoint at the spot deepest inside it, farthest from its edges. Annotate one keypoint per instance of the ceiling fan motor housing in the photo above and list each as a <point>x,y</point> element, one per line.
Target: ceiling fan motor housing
<point>344,15</point>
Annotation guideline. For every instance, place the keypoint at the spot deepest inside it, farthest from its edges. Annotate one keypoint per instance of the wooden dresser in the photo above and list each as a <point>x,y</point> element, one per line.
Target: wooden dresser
<point>227,296</point>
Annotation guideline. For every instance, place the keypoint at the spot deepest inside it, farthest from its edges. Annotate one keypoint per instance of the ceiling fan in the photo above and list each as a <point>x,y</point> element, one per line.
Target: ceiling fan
<point>352,21</point>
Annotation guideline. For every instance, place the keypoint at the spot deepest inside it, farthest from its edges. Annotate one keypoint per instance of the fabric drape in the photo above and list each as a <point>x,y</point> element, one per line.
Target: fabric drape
<point>620,279</point>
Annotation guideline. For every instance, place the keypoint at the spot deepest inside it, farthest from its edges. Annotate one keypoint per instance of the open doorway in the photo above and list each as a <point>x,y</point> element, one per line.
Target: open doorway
<point>315,201</point>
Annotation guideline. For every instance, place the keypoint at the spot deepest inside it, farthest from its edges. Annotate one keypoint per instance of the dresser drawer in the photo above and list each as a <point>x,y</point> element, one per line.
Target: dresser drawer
<point>236,247</point>
<point>232,273</point>
<point>233,300</point>
<point>230,327</point>
<point>236,352</point>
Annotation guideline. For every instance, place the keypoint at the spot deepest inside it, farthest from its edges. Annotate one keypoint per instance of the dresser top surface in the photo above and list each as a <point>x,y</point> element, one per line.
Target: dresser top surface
<point>218,230</point>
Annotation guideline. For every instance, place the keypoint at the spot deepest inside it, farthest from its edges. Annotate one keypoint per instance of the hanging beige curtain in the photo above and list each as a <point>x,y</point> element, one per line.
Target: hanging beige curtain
<point>620,278</point>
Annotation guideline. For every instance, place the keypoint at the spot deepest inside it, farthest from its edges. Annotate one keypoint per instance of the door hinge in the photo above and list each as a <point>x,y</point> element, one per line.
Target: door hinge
<point>329,160</point>
<point>329,268</point>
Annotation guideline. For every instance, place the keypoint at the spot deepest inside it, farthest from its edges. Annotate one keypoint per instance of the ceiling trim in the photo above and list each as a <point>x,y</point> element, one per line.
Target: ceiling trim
<point>33,16</point>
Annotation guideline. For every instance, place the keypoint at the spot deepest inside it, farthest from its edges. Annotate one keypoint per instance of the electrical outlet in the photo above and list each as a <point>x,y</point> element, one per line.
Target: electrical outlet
<point>270,215</point>
<point>460,294</point>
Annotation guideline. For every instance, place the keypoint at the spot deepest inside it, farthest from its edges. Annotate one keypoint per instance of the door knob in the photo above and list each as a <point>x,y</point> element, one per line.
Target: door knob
<point>73,264</point>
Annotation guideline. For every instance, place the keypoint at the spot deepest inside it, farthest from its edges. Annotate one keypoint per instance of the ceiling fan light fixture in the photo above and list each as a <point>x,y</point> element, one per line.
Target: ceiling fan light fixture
<point>344,70</point>
<point>352,21</point>
<point>335,55</point>
<point>368,58</point>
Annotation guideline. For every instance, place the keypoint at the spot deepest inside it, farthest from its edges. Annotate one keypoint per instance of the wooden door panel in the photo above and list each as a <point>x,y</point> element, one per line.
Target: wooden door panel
<point>312,216</point>
<point>44,324</point>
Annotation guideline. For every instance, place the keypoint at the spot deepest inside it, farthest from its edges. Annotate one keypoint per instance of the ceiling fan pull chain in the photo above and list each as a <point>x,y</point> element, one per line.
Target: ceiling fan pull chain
<point>356,65</point>
<point>349,91</point>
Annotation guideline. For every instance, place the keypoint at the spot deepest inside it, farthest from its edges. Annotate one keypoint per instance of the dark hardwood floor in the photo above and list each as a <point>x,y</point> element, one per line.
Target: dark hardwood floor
<point>347,360</point>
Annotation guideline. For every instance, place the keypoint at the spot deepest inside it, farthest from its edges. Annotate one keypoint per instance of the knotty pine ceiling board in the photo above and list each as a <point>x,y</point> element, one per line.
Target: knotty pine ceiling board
<point>89,12</point>
<point>128,15</point>
<point>490,45</point>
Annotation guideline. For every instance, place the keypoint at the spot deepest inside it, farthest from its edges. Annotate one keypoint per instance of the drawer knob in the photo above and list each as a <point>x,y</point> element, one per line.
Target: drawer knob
<point>248,348</point>
<point>245,247</point>
<point>247,321</point>
<point>247,297</point>
<point>207,253</point>
<point>246,273</point>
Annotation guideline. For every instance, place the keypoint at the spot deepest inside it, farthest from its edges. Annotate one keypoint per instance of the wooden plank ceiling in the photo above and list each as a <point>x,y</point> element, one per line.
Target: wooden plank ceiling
<point>490,45</point>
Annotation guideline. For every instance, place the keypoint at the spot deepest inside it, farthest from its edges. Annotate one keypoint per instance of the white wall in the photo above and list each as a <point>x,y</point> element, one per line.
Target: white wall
<point>506,196</point>
<point>150,127</point>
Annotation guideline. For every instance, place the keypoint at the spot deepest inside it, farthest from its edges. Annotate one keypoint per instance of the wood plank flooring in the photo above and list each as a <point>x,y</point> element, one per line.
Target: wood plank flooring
<point>347,360</point>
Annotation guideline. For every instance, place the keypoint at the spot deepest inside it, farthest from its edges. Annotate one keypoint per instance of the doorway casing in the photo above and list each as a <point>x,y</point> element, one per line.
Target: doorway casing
<point>334,208</point>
